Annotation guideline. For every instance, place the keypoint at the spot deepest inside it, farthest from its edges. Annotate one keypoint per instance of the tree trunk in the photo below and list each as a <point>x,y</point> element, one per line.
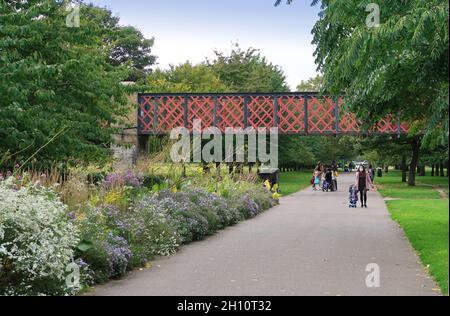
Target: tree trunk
<point>432,170</point>
<point>423,171</point>
<point>414,161</point>
<point>404,171</point>
<point>441,166</point>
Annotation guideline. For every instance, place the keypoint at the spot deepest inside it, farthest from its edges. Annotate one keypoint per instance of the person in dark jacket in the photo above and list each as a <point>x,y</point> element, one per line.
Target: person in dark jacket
<point>363,184</point>
<point>328,185</point>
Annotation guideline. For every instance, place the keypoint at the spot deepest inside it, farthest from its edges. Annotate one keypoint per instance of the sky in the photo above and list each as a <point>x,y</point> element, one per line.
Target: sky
<point>192,29</point>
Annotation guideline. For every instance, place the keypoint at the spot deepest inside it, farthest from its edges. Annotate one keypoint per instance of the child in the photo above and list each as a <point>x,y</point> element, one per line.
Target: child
<point>316,179</point>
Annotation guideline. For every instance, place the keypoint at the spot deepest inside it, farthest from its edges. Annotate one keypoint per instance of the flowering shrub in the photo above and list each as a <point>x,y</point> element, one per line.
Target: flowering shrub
<point>263,198</point>
<point>94,233</point>
<point>247,206</point>
<point>108,254</point>
<point>110,226</point>
<point>149,230</point>
<point>114,197</point>
<point>116,180</point>
<point>251,200</point>
<point>191,224</point>
<point>119,255</point>
<point>37,241</point>
<point>225,213</point>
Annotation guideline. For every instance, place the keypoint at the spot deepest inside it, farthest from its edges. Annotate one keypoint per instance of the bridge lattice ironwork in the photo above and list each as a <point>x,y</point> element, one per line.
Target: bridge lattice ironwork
<point>293,113</point>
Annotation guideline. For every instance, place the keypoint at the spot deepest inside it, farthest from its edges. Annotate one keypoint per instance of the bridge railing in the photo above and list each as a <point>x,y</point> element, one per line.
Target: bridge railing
<point>293,113</point>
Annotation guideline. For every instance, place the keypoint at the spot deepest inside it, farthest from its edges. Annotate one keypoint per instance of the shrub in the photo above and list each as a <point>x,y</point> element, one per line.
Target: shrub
<point>191,223</point>
<point>94,233</point>
<point>149,230</point>
<point>37,241</point>
<point>151,180</point>
<point>108,253</point>
<point>253,201</point>
<point>119,255</point>
<point>262,197</point>
<point>247,207</point>
<point>117,180</point>
<point>225,213</point>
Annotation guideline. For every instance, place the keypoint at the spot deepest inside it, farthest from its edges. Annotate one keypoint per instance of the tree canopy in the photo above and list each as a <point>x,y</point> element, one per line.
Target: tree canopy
<point>186,78</point>
<point>398,66</point>
<point>237,71</point>
<point>57,80</point>
<point>314,84</point>
<point>248,71</point>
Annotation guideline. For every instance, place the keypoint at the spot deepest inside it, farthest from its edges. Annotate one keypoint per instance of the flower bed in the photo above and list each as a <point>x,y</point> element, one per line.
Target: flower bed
<point>37,241</point>
<point>114,226</point>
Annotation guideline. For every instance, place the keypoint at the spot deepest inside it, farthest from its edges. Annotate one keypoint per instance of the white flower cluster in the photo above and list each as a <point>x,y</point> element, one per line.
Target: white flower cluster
<point>37,240</point>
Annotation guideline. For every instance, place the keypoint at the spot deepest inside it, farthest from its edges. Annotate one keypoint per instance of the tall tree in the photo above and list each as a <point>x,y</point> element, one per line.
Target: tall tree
<point>314,84</point>
<point>127,45</point>
<point>185,78</point>
<point>397,66</point>
<point>56,78</point>
<point>248,71</point>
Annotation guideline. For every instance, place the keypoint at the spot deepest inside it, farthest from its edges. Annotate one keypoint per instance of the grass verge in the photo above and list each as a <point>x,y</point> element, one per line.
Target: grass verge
<point>424,216</point>
<point>292,182</point>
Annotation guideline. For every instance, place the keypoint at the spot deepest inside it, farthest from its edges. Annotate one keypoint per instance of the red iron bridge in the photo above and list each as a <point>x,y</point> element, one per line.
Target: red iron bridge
<point>292,113</point>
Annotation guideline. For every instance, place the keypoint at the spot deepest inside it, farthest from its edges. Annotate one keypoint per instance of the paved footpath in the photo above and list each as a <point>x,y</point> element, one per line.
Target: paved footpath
<point>312,244</point>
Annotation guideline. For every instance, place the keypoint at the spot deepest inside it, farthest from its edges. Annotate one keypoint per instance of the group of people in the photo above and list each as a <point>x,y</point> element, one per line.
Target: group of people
<point>325,179</point>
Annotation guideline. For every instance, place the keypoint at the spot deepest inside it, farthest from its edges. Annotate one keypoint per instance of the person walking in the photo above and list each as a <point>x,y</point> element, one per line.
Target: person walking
<point>335,178</point>
<point>321,174</point>
<point>328,180</point>
<point>317,174</point>
<point>363,184</point>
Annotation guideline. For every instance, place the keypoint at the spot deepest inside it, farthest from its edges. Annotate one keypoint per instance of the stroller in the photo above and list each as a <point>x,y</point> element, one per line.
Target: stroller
<point>353,197</point>
<point>328,181</point>
<point>326,186</point>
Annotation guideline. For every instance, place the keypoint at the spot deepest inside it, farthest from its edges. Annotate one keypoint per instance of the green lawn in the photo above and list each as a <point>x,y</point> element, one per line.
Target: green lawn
<point>424,216</point>
<point>392,187</point>
<point>425,222</point>
<point>291,182</point>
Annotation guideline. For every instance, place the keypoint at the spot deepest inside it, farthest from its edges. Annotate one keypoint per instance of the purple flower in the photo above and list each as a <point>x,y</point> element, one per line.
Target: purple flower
<point>119,180</point>
<point>119,255</point>
<point>81,263</point>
